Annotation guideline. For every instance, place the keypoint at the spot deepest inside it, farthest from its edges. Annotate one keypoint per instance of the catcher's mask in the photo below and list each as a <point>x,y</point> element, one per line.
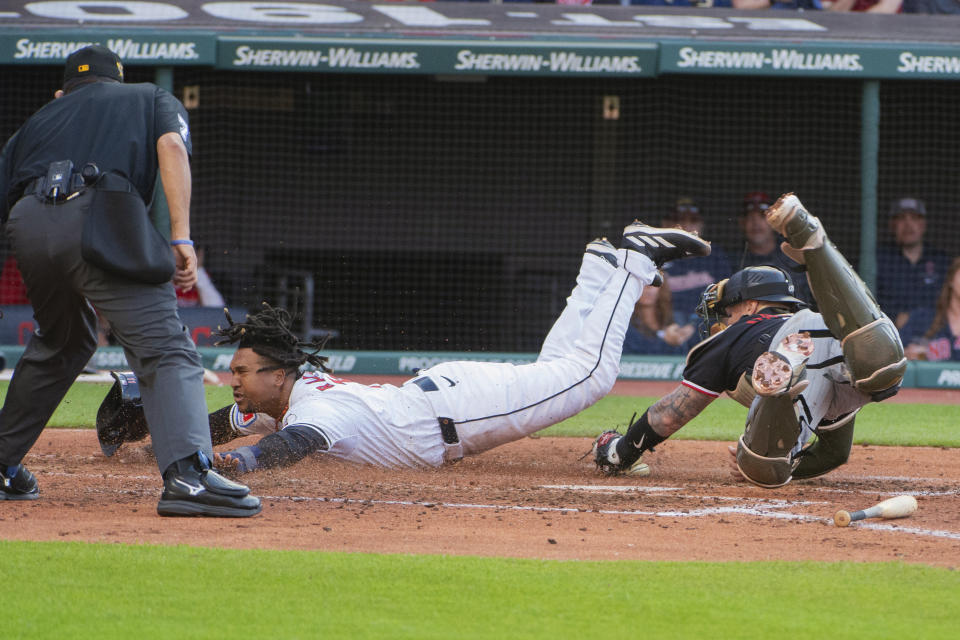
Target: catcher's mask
<point>120,417</point>
<point>768,284</point>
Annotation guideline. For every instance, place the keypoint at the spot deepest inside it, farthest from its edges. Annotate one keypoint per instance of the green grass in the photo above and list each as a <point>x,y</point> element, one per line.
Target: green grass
<point>66,590</point>
<point>79,407</point>
<point>880,424</point>
<point>73,590</point>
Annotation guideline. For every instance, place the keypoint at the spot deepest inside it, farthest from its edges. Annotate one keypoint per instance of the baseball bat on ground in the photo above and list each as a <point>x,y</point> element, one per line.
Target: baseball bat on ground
<point>898,507</point>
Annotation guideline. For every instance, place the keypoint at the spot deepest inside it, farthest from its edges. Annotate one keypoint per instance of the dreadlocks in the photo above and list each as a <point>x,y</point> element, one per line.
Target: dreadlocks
<point>268,334</point>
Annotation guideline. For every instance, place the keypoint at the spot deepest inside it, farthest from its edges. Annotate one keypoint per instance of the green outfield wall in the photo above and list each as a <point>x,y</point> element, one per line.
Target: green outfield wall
<point>928,375</point>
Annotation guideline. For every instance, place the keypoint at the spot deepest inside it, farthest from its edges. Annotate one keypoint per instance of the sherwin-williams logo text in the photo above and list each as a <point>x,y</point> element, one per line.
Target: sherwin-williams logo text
<point>554,61</point>
<point>776,59</point>
<point>334,58</point>
<point>910,63</point>
<point>126,48</point>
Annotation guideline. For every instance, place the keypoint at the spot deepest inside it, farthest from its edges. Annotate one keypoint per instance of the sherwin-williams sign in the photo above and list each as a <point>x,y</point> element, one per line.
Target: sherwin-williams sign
<point>457,38</point>
<point>132,47</point>
<point>436,57</point>
<point>832,60</point>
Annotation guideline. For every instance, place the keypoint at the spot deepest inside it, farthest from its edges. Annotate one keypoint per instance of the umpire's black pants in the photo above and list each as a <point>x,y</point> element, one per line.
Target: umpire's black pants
<point>142,317</point>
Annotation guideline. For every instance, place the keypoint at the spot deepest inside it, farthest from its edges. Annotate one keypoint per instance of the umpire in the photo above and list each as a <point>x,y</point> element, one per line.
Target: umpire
<point>74,181</point>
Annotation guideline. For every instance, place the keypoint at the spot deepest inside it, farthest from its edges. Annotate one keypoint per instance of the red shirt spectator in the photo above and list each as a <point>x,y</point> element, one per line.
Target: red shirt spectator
<point>12,289</point>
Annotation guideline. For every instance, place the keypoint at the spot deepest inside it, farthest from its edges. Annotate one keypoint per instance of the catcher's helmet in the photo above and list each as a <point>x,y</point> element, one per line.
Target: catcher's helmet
<point>769,284</point>
<point>120,417</point>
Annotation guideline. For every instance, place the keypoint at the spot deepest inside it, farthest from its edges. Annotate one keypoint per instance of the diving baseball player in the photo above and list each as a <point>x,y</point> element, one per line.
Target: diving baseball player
<point>800,373</point>
<point>453,409</point>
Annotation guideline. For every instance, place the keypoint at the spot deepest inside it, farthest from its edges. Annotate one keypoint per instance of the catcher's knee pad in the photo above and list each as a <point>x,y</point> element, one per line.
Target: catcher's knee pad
<point>763,451</point>
<point>120,417</point>
<point>874,355</point>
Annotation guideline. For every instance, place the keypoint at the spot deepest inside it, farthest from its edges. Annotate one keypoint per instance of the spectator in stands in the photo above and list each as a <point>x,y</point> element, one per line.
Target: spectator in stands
<point>864,6</point>
<point>12,289</point>
<point>934,333</point>
<point>805,5</point>
<point>909,272</point>
<point>654,328</point>
<point>204,293</point>
<point>931,6</point>
<point>688,278</point>
<point>762,245</point>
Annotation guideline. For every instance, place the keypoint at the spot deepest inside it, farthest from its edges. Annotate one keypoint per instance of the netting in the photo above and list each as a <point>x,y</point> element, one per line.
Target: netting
<point>429,213</point>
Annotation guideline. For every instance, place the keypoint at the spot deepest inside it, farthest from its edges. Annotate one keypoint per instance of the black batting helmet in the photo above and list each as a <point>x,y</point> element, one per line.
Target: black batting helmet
<point>769,284</point>
<point>120,417</point>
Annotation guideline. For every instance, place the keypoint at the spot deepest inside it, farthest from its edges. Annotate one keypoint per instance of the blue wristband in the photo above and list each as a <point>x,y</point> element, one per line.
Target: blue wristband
<point>174,243</point>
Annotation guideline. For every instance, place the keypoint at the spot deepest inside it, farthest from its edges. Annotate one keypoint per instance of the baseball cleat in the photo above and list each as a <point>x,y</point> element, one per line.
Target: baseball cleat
<point>192,488</point>
<point>791,220</point>
<point>781,371</point>
<point>19,485</point>
<point>662,245</point>
<point>602,248</point>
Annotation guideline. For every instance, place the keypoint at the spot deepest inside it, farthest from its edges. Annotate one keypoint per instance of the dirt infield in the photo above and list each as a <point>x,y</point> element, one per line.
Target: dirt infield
<point>532,498</point>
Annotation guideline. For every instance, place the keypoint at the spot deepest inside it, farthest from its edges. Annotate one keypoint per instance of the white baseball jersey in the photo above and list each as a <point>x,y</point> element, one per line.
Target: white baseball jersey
<point>489,403</point>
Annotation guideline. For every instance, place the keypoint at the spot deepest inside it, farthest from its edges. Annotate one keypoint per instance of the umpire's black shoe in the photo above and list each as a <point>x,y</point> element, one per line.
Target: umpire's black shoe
<point>20,484</point>
<point>192,488</point>
<point>662,245</point>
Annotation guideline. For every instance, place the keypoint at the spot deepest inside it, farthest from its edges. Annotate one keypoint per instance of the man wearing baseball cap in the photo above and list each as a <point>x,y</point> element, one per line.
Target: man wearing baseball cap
<point>74,183</point>
<point>909,271</point>
<point>761,245</point>
<point>688,278</point>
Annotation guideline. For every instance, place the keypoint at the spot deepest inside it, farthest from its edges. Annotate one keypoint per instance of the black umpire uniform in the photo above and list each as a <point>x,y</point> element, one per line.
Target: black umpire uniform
<point>83,162</point>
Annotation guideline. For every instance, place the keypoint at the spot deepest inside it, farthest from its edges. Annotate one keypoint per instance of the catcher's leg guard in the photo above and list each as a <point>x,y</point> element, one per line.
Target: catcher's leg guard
<point>831,449</point>
<point>871,344</point>
<point>763,452</point>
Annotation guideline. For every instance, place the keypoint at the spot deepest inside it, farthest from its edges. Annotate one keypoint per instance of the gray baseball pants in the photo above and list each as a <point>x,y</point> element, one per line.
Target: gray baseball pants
<point>142,317</point>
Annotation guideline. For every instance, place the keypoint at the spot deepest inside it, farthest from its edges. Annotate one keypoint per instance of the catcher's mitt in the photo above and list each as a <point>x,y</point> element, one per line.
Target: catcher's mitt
<point>602,447</point>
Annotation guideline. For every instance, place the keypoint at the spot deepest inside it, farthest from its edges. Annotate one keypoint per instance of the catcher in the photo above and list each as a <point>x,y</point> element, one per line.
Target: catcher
<point>800,373</point>
<point>445,412</point>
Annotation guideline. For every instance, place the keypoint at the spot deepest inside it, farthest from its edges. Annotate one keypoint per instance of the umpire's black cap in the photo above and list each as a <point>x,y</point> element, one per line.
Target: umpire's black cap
<point>93,60</point>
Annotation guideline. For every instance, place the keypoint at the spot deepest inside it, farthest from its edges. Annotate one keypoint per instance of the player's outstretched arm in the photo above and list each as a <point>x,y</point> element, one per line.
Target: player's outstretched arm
<point>279,449</point>
<point>615,454</point>
<point>671,412</point>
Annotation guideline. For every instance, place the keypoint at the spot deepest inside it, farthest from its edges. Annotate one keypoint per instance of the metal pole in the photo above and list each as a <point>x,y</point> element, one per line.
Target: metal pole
<point>869,152</point>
